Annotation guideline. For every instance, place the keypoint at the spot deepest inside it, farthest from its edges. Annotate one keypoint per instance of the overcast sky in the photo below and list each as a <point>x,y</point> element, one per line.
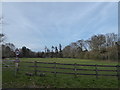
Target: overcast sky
<point>36,25</point>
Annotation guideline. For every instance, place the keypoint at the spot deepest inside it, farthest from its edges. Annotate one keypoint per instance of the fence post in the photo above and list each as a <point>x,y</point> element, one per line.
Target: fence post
<point>55,69</point>
<point>15,71</point>
<point>75,70</point>
<point>118,73</point>
<point>96,70</point>
<point>35,69</point>
<point>16,68</point>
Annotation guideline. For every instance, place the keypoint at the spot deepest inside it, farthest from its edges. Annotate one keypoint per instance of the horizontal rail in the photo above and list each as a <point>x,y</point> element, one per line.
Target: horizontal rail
<point>98,65</point>
<point>26,70</point>
<point>73,69</point>
<point>80,73</point>
<point>8,67</point>
<point>7,60</point>
<point>76,64</point>
<point>95,70</point>
<point>28,62</point>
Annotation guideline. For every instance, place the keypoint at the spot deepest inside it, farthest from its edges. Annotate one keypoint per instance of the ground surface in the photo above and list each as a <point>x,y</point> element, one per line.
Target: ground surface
<point>9,80</point>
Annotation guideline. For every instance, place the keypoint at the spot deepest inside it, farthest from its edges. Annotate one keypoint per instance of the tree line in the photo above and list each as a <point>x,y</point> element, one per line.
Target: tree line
<point>54,52</point>
<point>8,51</point>
<point>101,47</point>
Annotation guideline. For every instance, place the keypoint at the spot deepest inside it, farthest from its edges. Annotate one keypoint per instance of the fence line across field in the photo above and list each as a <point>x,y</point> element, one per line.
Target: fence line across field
<point>75,69</point>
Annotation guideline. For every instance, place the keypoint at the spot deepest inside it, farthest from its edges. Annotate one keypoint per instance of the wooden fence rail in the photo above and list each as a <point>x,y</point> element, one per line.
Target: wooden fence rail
<point>75,68</point>
<point>77,64</point>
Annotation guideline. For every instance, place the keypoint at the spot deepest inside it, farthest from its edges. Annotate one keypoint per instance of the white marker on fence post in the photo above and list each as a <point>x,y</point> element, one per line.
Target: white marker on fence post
<point>17,61</point>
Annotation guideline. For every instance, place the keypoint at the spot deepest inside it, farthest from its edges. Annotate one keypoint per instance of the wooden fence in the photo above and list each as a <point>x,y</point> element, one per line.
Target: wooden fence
<point>75,69</point>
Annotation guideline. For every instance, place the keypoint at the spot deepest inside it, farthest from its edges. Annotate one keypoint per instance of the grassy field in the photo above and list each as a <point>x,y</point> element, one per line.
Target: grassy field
<point>61,80</point>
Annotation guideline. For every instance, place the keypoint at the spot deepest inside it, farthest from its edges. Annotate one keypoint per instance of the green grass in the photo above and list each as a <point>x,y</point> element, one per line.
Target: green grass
<point>70,60</point>
<point>61,80</point>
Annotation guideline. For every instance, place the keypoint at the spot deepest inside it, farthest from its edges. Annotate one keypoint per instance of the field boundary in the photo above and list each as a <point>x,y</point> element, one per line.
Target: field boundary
<point>75,69</point>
